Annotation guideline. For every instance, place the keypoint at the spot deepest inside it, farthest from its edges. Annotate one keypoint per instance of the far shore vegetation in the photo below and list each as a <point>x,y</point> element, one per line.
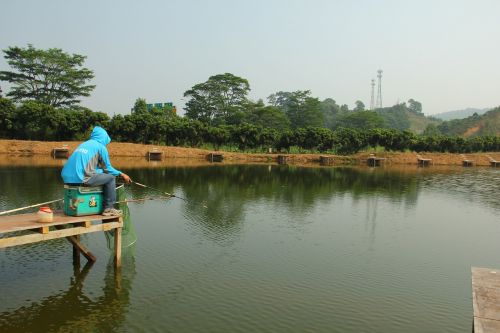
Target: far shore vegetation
<point>46,87</point>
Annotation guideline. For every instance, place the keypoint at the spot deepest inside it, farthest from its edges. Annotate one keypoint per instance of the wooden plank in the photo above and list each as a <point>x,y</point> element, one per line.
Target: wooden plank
<point>21,222</point>
<point>483,325</point>
<point>486,299</point>
<point>85,224</point>
<point>43,230</point>
<point>32,238</point>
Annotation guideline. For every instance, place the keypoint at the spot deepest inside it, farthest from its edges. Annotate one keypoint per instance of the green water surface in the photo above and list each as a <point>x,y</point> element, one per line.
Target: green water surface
<point>278,249</point>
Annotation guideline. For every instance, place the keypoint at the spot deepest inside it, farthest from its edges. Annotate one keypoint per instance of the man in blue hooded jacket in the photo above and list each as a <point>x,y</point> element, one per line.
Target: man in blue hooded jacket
<point>89,165</point>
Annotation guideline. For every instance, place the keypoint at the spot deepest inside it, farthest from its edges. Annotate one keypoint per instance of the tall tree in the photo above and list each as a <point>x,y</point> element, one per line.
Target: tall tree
<point>140,106</point>
<point>268,117</point>
<point>414,106</point>
<point>330,110</point>
<point>360,106</point>
<point>302,109</point>
<point>51,77</point>
<point>217,100</point>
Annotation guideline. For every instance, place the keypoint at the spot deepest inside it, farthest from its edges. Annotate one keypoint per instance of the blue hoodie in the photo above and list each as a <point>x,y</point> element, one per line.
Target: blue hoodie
<point>89,158</point>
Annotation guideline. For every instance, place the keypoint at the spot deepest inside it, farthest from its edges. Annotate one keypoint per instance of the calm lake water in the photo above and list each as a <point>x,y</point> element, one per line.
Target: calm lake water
<point>279,249</point>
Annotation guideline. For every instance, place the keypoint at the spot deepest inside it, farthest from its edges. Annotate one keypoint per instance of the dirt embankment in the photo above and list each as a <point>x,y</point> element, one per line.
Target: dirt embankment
<point>11,148</point>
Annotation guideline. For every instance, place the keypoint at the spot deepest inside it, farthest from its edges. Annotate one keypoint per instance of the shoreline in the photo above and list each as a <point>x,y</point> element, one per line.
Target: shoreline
<point>195,156</point>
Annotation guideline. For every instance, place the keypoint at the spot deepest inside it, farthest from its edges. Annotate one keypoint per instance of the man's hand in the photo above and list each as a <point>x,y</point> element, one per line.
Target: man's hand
<point>126,178</point>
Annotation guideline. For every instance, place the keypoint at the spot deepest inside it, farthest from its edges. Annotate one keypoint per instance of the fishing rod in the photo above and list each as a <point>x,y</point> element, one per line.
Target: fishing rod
<point>163,192</point>
<point>31,206</point>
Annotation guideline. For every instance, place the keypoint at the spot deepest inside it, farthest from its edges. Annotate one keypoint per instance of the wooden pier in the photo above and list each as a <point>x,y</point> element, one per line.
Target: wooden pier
<point>466,162</point>
<point>62,152</point>
<point>326,160</point>
<point>486,299</point>
<point>423,161</point>
<point>154,155</point>
<point>494,163</point>
<point>374,161</point>
<point>213,157</point>
<point>282,159</point>
<point>69,227</point>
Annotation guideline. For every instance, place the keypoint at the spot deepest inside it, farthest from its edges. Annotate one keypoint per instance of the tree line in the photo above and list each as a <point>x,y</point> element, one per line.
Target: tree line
<point>47,84</point>
<point>37,121</point>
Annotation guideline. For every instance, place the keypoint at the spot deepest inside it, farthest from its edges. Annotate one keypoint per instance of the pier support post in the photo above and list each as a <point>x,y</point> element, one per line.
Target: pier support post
<point>118,245</point>
<point>76,252</point>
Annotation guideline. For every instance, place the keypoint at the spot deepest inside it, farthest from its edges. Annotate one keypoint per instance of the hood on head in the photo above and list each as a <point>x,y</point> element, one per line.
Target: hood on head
<point>100,135</point>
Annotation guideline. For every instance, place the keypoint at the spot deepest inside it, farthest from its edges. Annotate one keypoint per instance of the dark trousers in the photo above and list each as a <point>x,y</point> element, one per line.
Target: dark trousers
<point>109,184</point>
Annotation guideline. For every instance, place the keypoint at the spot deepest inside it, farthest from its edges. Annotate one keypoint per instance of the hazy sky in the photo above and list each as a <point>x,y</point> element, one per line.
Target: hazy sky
<point>443,53</point>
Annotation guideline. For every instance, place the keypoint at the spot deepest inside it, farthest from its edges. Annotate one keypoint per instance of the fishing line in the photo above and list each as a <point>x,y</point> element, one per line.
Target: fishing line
<point>161,191</point>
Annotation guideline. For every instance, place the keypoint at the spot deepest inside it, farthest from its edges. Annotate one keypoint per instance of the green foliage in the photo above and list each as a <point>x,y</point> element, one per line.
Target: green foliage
<point>360,106</point>
<point>50,77</point>
<point>268,117</point>
<point>140,106</point>
<point>218,100</point>
<point>414,106</point>
<point>431,130</point>
<point>7,117</point>
<point>359,120</point>
<point>330,109</point>
<point>395,116</point>
<point>349,141</point>
<point>301,109</point>
<point>218,136</point>
<point>475,125</point>
<point>36,121</point>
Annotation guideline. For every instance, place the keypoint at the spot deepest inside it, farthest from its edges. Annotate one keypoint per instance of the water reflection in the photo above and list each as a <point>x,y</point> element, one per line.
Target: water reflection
<point>73,310</point>
<point>227,189</point>
<point>279,248</point>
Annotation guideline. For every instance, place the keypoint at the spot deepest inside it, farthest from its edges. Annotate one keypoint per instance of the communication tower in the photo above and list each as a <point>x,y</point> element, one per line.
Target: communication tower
<point>372,101</point>
<point>379,93</point>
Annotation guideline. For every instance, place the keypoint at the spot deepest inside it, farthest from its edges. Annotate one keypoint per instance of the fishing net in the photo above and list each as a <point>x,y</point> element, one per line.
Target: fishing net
<point>129,236</point>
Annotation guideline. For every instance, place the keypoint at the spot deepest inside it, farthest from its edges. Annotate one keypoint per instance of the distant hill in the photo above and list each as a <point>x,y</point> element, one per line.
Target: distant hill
<point>460,114</point>
<point>401,117</point>
<point>475,125</point>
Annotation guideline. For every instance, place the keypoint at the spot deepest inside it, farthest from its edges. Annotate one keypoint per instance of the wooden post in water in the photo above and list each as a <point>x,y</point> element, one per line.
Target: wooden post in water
<point>118,245</point>
<point>282,159</point>
<point>423,161</point>
<point>374,161</point>
<point>154,155</point>
<point>213,157</point>
<point>466,162</point>
<point>60,152</point>
<point>326,160</point>
<point>494,163</point>
<point>76,252</point>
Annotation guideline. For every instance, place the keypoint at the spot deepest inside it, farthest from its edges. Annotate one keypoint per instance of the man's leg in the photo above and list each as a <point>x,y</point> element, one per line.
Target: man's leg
<point>108,181</point>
